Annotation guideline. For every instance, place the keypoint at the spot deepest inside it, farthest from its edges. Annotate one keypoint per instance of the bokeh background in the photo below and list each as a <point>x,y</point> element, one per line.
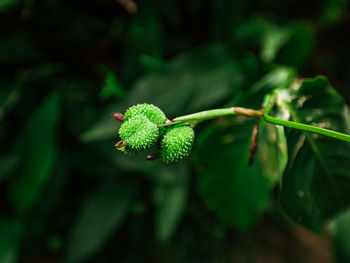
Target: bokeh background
<point>66,194</point>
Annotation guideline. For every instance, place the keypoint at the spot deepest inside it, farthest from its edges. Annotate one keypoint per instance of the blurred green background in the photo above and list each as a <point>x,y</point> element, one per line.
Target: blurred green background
<point>66,194</point>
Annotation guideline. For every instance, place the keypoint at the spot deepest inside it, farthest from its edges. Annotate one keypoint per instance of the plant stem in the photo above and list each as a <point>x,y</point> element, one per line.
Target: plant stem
<point>300,126</point>
<point>211,114</point>
<point>205,115</point>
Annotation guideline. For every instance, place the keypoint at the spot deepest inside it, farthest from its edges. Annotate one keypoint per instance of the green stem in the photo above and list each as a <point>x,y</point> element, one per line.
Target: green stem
<point>205,115</point>
<point>211,114</point>
<point>303,127</point>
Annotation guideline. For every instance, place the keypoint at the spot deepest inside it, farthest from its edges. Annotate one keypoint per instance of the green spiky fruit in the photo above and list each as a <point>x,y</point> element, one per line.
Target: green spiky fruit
<point>153,113</point>
<point>130,151</point>
<point>176,143</point>
<point>139,134</point>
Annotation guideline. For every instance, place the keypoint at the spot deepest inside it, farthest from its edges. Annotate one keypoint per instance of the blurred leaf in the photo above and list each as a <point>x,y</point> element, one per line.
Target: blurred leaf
<point>8,164</point>
<point>316,182</point>
<point>272,154</point>
<point>272,42</point>
<point>291,44</point>
<point>278,78</point>
<point>18,48</point>
<point>8,99</point>
<point>224,16</point>
<point>51,195</point>
<point>11,232</point>
<point>251,31</point>
<point>236,192</point>
<point>106,128</point>
<point>36,147</point>
<point>144,36</point>
<point>170,198</point>
<point>333,11</point>
<point>102,213</point>
<point>112,87</point>
<point>340,228</point>
<point>192,81</point>
<point>151,62</point>
<point>298,50</point>
<point>8,4</point>
<point>99,156</point>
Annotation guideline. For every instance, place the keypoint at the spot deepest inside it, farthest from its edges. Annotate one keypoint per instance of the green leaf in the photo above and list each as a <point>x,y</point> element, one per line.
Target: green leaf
<point>17,48</point>
<point>8,4</point>
<point>112,87</point>
<point>102,213</point>
<point>340,229</point>
<point>191,81</point>
<point>169,195</point>
<point>333,11</point>
<point>36,148</point>
<point>291,44</point>
<point>8,99</point>
<point>236,192</point>
<point>298,50</point>
<point>272,42</point>
<point>272,153</point>
<point>8,164</point>
<point>11,232</point>
<point>316,183</point>
<point>278,78</point>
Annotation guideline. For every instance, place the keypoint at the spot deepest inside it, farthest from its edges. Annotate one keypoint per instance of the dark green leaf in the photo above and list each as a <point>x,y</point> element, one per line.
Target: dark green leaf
<point>102,213</point>
<point>340,228</point>
<point>236,192</point>
<point>316,183</point>
<point>8,165</point>
<point>272,154</point>
<point>11,232</point>
<point>170,193</point>
<point>8,99</point>
<point>8,4</point>
<point>191,81</point>
<point>111,87</point>
<point>298,50</point>
<point>333,11</point>
<point>272,42</point>
<point>17,48</point>
<point>36,147</point>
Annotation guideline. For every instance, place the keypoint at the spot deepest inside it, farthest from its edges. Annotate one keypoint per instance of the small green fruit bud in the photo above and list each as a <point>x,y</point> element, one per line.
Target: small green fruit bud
<point>176,143</point>
<point>139,134</point>
<point>153,113</point>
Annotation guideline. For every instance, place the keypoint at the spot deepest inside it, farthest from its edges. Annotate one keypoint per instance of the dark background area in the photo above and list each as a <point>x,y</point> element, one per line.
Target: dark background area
<point>66,194</point>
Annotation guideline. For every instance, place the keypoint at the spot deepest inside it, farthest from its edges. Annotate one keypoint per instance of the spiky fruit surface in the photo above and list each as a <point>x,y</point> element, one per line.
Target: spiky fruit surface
<point>153,113</point>
<point>130,151</point>
<point>139,133</point>
<point>176,143</point>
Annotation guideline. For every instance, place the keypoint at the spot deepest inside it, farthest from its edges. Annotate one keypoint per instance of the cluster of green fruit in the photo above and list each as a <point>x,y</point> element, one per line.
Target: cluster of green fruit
<point>140,131</point>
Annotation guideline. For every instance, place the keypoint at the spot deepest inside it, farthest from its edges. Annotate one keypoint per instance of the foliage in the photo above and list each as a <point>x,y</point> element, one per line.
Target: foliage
<point>68,196</point>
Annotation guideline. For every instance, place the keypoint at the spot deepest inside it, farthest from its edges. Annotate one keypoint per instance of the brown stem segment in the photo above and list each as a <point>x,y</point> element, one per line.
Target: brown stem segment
<point>248,112</point>
<point>254,142</point>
